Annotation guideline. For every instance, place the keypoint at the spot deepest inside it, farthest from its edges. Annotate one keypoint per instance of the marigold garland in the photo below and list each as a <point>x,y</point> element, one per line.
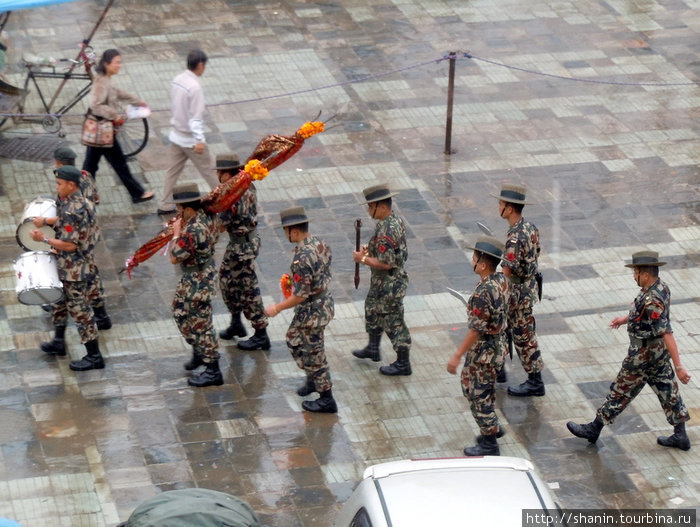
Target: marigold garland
<point>286,285</point>
<point>311,128</point>
<point>256,170</point>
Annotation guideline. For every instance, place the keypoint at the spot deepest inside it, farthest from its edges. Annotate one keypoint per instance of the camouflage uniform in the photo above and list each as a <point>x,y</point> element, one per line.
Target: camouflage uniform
<point>522,248</point>
<point>75,222</point>
<point>648,360</point>
<point>487,312</point>
<point>311,278</point>
<point>238,281</point>
<point>192,304</point>
<point>384,303</point>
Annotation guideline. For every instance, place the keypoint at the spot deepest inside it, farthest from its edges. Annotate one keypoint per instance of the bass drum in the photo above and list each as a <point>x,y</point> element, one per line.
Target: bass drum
<point>42,206</point>
<point>37,279</point>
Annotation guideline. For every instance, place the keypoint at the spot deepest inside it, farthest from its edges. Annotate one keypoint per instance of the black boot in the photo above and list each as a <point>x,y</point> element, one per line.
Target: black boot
<point>102,318</point>
<point>589,431</point>
<point>532,386</point>
<point>502,377</point>
<point>57,346</point>
<point>499,435</point>
<point>324,404</point>
<point>235,329</point>
<point>488,446</point>
<point>210,377</point>
<point>679,439</point>
<point>401,366</point>
<point>259,341</point>
<point>92,361</point>
<point>195,362</point>
<point>371,350</point>
<point>307,388</point>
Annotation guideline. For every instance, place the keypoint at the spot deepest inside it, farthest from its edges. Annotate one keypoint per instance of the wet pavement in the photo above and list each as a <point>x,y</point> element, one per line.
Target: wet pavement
<point>612,168</point>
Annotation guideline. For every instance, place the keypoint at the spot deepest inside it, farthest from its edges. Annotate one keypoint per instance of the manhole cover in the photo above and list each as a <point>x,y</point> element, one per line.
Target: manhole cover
<point>29,148</point>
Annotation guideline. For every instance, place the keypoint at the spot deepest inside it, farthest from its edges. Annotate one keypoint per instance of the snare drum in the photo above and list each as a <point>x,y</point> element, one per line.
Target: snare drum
<point>37,278</point>
<point>42,206</point>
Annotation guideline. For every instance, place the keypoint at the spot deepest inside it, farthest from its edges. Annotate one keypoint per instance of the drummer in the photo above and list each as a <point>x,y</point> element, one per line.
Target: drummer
<point>73,245</point>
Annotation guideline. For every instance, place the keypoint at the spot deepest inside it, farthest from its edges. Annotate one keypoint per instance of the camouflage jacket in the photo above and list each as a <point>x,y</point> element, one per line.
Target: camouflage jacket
<point>487,309</point>
<point>311,279</point>
<point>650,314</point>
<point>75,223</point>
<point>388,245</point>
<point>88,187</point>
<point>241,218</point>
<point>194,248</point>
<point>522,249</point>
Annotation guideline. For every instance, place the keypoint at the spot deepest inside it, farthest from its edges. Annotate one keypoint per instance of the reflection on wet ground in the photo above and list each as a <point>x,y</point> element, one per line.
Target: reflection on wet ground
<point>611,169</point>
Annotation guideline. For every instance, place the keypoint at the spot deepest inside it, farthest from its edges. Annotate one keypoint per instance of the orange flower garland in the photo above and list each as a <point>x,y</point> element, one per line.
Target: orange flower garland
<point>311,128</point>
<point>286,285</point>
<point>255,170</point>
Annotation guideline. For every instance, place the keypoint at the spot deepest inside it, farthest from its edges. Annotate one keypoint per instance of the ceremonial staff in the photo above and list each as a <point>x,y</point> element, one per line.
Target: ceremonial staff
<point>358,225</point>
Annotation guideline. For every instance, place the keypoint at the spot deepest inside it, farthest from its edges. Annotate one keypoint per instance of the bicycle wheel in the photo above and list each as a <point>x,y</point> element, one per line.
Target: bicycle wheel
<point>133,136</point>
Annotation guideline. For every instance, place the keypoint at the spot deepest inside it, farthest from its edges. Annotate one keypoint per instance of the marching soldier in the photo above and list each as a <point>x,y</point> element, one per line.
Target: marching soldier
<point>313,309</point>
<point>484,344</point>
<point>652,349</point>
<point>238,281</point>
<point>522,249</point>
<point>194,239</point>
<point>73,245</point>
<point>386,256</point>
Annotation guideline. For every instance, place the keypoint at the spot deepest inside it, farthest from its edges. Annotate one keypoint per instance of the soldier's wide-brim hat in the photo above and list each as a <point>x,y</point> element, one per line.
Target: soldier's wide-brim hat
<point>228,161</point>
<point>644,258</point>
<point>293,216</point>
<point>512,193</point>
<point>68,173</point>
<point>489,245</point>
<point>377,193</point>
<point>187,193</point>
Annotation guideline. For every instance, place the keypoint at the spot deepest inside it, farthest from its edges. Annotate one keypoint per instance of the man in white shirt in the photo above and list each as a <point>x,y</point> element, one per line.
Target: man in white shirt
<point>187,133</point>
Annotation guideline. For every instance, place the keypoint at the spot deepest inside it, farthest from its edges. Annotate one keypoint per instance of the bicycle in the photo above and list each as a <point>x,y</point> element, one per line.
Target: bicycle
<point>132,135</point>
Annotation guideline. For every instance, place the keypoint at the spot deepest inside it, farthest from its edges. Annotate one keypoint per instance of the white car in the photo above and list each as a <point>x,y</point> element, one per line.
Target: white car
<point>490,490</point>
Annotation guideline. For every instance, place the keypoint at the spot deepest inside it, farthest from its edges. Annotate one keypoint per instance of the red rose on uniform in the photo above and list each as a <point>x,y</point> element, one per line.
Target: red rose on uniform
<point>476,311</point>
<point>69,228</point>
<point>510,257</point>
<point>181,243</point>
<point>297,277</point>
<point>655,315</point>
<point>382,248</point>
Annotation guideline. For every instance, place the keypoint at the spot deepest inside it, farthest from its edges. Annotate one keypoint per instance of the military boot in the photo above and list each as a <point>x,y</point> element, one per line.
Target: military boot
<point>307,388</point>
<point>401,366</point>
<point>488,446</point>
<point>92,361</point>
<point>235,329</point>
<point>502,377</point>
<point>589,431</point>
<point>259,341</point>
<point>57,346</point>
<point>679,439</point>
<point>499,435</point>
<point>371,350</point>
<point>195,362</point>
<point>102,318</point>
<point>324,404</point>
<point>532,386</point>
<point>211,376</point>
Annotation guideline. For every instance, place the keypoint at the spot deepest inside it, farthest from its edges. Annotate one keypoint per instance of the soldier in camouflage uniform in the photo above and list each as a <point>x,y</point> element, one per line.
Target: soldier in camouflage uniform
<point>386,255</point>
<point>652,349</point>
<point>238,281</point>
<point>194,239</point>
<point>522,249</point>
<point>313,309</point>
<point>74,245</point>
<point>484,344</point>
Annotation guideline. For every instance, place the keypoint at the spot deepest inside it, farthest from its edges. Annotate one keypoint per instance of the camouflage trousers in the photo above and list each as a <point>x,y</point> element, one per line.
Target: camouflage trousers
<point>478,379</point>
<point>239,286</point>
<point>192,311</point>
<point>522,324</point>
<point>387,315</point>
<point>645,365</point>
<point>308,350</point>
<point>75,302</point>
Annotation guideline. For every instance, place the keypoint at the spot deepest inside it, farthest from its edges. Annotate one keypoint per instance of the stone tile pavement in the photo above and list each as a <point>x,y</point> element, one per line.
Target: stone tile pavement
<point>611,168</point>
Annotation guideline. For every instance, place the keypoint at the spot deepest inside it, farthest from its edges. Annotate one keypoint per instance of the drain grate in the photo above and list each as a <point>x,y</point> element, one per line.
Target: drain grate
<point>29,148</point>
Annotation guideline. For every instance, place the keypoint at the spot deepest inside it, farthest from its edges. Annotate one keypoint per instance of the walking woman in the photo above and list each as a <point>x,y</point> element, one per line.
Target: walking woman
<point>104,100</point>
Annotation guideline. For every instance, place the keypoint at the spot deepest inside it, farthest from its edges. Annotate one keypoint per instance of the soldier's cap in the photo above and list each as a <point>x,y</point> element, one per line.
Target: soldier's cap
<point>229,161</point>
<point>377,193</point>
<point>512,193</point>
<point>489,245</point>
<point>644,258</point>
<point>187,193</point>
<point>293,216</point>
<point>64,154</point>
<point>68,173</point>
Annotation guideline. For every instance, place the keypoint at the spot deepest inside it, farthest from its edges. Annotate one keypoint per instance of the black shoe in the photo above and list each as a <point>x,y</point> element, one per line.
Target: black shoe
<point>307,388</point>
<point>499,435</point>
<point>87,363</point>
<point>195,362</point>
<point>55,347</point>
<point>235,328</point>
<point>211,376</point>
<point>488,446</point>
<point>259,341</point>
<point>532,386</point>
<point>589,431</point>
<point>396,368</point>
<point>162,212</point>
<point>321,406</point>
<point>679,439</point>
<point>368,353</point>
<point>146,196</point>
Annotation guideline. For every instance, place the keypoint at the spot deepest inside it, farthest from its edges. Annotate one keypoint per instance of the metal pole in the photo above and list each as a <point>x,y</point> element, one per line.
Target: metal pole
<point>450,100</point>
